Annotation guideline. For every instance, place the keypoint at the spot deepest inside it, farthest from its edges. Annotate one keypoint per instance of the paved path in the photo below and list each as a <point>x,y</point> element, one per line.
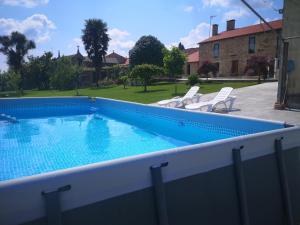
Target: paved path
<point>258,101</point>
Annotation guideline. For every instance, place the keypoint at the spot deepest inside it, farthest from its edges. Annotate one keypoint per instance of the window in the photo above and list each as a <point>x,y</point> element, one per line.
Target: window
<point>216,50</point>
<point>251,47</point>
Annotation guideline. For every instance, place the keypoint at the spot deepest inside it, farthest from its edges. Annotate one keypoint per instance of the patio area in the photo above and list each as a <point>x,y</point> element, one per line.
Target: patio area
<point>258,101</point>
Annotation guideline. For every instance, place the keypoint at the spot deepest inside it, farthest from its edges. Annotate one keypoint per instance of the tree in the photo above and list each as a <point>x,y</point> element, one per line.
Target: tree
<point>174,60</point>
<point>259,64</point>
<point>15,47</point>
<point>65,74</point>
<point>145,73</point>
<point>38,71</point>
<point>181,46</point>
<point>95,40</point>
<point>147,50</point>
<point>173,63</point>
<point>206,68</point>
<point>123,80</point>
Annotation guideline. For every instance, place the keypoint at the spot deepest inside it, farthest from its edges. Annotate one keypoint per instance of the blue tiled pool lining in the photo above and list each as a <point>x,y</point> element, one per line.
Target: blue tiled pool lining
<point>43,135</point>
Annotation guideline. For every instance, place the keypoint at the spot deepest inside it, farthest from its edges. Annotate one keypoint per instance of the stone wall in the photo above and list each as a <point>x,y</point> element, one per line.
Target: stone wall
<point>237,49</point>
<point>193,68</point>
<point>291,24</point>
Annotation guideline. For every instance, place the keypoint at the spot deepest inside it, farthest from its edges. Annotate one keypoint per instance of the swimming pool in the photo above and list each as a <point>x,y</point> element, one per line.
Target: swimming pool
<point>55,134</point>
<point>93,159</point>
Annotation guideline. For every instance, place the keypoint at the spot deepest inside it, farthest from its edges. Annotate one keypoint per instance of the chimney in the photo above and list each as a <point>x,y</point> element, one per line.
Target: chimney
<point>230,25</point>
<point>214,29</point>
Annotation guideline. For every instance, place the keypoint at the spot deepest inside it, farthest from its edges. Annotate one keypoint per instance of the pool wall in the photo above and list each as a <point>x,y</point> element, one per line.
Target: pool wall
<point>199,181</point>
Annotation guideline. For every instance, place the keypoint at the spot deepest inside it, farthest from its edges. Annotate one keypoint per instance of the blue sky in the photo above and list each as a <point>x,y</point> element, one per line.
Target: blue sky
<point>57,24</point>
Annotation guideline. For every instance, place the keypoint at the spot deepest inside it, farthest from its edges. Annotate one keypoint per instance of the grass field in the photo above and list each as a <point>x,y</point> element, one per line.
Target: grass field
<point>135,94</point>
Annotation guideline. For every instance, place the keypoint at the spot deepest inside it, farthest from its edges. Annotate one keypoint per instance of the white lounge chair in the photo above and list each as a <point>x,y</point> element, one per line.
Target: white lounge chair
<point>221,98</point>
<point>190,97</point>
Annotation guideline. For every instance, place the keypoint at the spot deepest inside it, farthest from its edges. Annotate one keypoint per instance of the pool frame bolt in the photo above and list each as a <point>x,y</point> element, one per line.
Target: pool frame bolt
<point>159,193</point>
<point>284,185</point>
<point>241,185</point>
<point>52,203</point>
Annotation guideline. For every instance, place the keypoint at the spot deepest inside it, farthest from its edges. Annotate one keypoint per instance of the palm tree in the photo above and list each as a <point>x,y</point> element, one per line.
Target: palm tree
<point>15,46</point>
<point>95,40</point>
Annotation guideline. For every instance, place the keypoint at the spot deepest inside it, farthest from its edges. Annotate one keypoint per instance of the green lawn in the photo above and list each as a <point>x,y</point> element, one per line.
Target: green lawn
<point>155,92</point>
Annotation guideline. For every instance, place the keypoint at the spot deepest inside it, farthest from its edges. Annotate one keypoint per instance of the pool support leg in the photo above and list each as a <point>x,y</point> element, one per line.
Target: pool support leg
<point>52,202</point>
<point>241,186</point>
<point>159,193</point>
<point>285,193</point>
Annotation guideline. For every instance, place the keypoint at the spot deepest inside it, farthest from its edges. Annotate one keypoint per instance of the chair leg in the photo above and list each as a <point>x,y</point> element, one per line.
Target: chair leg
<point>231,103</point>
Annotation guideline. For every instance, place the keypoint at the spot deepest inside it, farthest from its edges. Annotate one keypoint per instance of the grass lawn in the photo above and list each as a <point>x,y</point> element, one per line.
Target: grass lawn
<point>135,94</point>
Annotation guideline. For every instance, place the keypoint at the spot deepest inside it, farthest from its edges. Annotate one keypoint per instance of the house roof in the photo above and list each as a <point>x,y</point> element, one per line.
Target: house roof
<point>194,57</point>
<point>126,61</point>
<point>115,58</point>
<point>189,51</point>
<point>258,28</point>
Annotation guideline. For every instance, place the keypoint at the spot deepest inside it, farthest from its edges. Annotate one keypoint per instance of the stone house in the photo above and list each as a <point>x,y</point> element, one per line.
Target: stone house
<point>231,49</point>
<point>192,61</point>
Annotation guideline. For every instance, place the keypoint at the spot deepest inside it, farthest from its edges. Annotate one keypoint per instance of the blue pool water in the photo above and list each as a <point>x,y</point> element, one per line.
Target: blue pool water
<point>59,136</point>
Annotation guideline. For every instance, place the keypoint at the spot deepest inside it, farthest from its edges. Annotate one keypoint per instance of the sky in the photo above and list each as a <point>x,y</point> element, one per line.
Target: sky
<point>56,25</point>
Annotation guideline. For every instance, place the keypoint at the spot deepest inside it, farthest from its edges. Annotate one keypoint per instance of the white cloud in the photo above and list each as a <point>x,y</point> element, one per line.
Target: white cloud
<point>120,41</point>
<point>171,45</point>
<point>37,27</point>
<point>235,14</point>
<point>217,3</point>
<point>24,3</point>
<point>257,4</point>
<point>3,65</point>
<point>267,19</point>
<point>261,4</point>
<point>189,8</point>
<point>73,46</point>
<point>199,33</point>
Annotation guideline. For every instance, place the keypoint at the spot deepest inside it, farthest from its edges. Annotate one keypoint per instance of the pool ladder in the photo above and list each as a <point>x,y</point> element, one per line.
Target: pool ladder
<point>8,118</point>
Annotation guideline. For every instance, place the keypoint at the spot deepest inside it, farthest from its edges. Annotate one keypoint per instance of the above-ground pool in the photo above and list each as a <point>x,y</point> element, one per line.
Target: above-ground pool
<point>42,135</point>
<point>80,160</point>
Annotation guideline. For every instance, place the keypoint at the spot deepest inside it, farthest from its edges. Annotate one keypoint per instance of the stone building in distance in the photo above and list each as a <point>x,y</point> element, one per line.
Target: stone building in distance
<point>231,49</point>
<point>192,61</point>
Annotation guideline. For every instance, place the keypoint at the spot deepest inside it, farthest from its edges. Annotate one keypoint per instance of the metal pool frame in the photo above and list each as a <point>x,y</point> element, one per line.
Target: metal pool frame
<point>51,198</point>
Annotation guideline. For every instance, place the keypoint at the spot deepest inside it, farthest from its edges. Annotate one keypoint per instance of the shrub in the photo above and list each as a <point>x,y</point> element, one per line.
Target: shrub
<point>259,64</point>
<point>145,73</point>
<point>206,68</point>
<point>14,80</point>
<point>193,79</point>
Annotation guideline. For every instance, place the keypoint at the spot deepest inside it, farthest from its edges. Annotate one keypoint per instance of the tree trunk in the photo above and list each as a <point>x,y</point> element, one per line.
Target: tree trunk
<point>145,87</point>
<point>98,75</point>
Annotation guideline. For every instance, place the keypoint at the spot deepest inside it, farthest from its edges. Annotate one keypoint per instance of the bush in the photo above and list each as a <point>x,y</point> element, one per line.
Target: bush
<point>14,80</point>
<point>65,74</point>
<point>193,79</point>
<point>106,82</point>
<point>259,64</point>
<point>206,68</point>
<point>145,73</point>
<point>123,80</point>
